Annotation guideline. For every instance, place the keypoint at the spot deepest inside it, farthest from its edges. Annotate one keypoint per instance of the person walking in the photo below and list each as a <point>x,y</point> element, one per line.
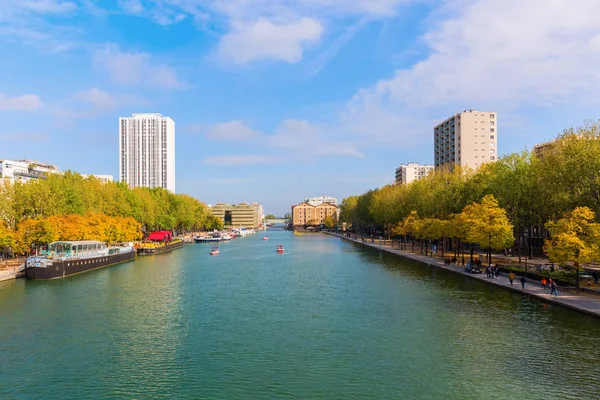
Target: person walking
<point>553,289</point>
<point>523,280</point>
<point>488,273</point>
<point>497,270</point>
<point>544,284</point>
<point>595,276</point>
<point>511,278</point>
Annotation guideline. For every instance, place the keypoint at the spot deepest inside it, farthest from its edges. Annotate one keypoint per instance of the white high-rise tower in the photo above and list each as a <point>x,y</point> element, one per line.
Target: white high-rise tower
<point>147,151</point>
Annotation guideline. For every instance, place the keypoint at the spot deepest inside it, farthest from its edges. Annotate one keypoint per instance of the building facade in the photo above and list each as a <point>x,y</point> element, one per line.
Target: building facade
<point>406,174</point>
<point>25,170</point>
<point>147,151</point>
<point>468,139</point>
<point>241,215</point>
<point>308,214</point>
<point>101,178</point>
<point>540,149</point>
<point>315,201</point>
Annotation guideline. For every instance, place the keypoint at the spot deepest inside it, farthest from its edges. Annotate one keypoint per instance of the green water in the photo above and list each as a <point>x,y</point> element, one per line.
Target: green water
<point>326,320</point>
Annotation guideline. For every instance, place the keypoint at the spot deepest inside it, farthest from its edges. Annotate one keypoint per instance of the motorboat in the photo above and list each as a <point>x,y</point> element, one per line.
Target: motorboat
<point>265,238</point>
<point>226,237</point>
<point>280,248</point>
<point>214,251</point>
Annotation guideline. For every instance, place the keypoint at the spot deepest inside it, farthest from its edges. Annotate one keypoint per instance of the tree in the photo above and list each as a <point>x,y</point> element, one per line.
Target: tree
<point>488,225</point>
<point>270,216</point>
<point>384,210</point>
<point>574,238</point>
<point>328,222</point>
<point>6,239</point>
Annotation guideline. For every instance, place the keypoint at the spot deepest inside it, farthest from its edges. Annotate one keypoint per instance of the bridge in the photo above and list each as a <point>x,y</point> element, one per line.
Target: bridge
<point>276,221</point>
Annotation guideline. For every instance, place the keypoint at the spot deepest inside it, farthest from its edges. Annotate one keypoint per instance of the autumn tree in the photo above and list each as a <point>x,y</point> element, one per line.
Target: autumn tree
<point>574,238</point>
<point>487,224</point>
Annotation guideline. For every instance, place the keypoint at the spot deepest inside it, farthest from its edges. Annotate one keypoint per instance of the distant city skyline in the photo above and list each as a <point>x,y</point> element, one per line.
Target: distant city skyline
<point>275,101</point>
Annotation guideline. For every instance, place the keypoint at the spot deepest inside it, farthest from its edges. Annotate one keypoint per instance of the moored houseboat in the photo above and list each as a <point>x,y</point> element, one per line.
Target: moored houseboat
<point>66,258</point>
<point>159,242</point>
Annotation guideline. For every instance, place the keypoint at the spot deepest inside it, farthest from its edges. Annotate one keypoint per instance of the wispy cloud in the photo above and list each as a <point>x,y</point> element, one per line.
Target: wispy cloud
<point>136,69</point>
<point>101,99</point>
<point>264,39</point>
<point>24,137</point>
<point>25,102</point>
<point>243,159</point>
<point>233,130</point>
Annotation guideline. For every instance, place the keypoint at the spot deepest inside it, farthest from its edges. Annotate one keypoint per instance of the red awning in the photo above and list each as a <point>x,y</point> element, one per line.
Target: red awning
<point>160,235</point>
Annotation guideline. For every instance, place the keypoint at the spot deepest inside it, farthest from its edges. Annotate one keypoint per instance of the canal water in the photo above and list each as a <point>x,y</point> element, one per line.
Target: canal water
<point>327,319</point>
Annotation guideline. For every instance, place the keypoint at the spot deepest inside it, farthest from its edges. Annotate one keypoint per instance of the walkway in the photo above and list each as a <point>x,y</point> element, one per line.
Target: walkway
<point>586,303</point>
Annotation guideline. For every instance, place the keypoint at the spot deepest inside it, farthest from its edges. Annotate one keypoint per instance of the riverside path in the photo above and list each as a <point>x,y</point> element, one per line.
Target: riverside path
<point>583,302</point>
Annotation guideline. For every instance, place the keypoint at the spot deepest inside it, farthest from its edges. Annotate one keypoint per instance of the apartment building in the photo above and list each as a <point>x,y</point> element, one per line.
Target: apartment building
<point>315,201</point>
<point>241,215</point>
<point>25,170</point>
<point>305,213</point>
<point>540,149</point>
<point>468,139</point>
<point>411,172</point>
<point>147,151</point>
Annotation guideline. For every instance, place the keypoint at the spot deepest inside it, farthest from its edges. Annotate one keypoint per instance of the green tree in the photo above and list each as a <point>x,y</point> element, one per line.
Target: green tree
<point>270,216</point>
<point>328,222</point>
<point>574,238</point>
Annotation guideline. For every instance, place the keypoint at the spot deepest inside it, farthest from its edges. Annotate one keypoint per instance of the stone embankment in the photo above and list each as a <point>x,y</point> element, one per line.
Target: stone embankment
<point>583,302</point>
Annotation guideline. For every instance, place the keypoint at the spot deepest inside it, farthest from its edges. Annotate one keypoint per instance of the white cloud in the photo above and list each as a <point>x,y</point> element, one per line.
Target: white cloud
<point>46,6</point>
<point>132,6</point>
<point>264,39</point>
<point>102,99</point>
<point>242,159</point>
<point>486,54</point>
<point>136,69</point>
<point>25,102</point>
<point>24,137</point>
<point>233,130</point>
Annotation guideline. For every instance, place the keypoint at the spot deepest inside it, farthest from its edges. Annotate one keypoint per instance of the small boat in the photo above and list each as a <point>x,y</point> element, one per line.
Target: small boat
<point>214,251</point>
<point>265,238</point>
<point>280,248</point>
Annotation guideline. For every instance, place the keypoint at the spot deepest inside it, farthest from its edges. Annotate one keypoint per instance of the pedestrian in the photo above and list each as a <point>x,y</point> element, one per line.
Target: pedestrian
<point>523,280</point>
<point>488,273</point>
<point>595,276</point>
<point>497,271</point>
<point>553,289</point>
<point>544,284</point>
<point>511,277</point>
<point>549,283</point>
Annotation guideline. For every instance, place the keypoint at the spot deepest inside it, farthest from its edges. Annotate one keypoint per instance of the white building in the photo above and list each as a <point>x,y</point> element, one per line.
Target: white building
<point>101,178</point>
<point>147,151</point>
<point>406,174</point>
<point>315,201</point>
<point>25,170</point>
<point>468,139</point>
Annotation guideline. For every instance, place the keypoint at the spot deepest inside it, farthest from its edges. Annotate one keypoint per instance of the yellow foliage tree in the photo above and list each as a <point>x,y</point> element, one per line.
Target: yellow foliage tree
<point>574,238</point>
<point>487,224</point>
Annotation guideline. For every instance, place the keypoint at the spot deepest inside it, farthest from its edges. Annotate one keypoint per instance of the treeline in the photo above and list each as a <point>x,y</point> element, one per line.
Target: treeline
<point>80,202</point>
<point>531,190</point>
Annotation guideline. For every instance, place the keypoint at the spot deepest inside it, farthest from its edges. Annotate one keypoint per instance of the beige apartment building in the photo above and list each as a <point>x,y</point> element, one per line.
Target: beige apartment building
<point>540,149</point>
<point>305,212</point>
<point>406,174</point>
<point>241,215</point>
<point>468,139</point>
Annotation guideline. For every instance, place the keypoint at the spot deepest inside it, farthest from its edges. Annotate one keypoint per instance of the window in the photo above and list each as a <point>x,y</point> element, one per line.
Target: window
<point>492,123</point>
<point>492,158</point>
<point>492,116</point>
<point>491,136</point>
<point>492,130</point>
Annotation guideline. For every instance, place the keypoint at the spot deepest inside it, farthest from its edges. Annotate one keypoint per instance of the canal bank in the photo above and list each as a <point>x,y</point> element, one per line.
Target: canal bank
<point>585,303</point>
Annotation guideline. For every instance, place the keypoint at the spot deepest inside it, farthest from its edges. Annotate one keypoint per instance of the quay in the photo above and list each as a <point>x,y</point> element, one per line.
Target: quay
<point>11,273</point>
<point>582,302</point>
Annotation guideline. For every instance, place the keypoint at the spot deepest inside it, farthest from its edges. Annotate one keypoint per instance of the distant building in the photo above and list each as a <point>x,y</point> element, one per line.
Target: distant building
<point>101,178</point>
<point>147,151</point>
<point>315,201</point>
<point>406,174</point>
<point>468,139</point>
<point>540,149</point>
<point>241,215</point>
<point>307,213</point>
<point>25,170</point>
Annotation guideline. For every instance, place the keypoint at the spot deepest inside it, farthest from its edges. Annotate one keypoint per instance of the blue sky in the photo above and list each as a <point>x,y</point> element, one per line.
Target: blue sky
<point>277,100</point>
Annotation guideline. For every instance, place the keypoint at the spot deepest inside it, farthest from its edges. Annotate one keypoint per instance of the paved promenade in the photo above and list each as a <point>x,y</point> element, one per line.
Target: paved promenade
<point>586,303</point>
